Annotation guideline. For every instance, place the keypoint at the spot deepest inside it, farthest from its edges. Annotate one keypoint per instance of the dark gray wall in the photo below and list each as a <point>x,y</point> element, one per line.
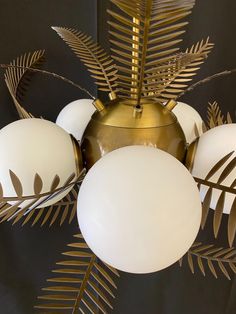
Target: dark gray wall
<point>28,254</point>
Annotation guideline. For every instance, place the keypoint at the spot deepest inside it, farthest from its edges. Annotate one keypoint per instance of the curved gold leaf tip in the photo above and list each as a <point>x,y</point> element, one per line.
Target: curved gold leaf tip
<point>16,184</point>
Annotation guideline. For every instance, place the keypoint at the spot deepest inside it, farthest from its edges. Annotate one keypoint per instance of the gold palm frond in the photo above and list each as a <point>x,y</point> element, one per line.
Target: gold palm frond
<point>63,211</point>
<point>17,79</point>
<point>85,285</point>
<point>226,166</point>
<point>98,62</point>
<point>144,37</point>
<point>18,207</point>
<point>175,79</point>
<point>171,76</point>
<point>215,116</point>
<point>215,259</point>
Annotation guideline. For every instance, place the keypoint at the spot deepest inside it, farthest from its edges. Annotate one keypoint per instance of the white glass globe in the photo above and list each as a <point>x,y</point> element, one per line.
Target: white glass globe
<point>190,121</point>
<point>33,146</point>
<point>75,117</point>
<point>139,209</point>
<point>213,146</point>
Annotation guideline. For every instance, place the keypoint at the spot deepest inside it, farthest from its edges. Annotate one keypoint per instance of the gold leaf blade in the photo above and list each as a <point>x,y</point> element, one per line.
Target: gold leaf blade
<point>91,54</point>
<point>81,283</point>
<point>17,79</point>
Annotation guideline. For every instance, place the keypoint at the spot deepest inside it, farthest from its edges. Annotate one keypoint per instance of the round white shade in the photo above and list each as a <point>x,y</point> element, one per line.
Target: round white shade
<point>213,146</point>
<point>139,209</point>
<point>31,146</point>
<point>190,121</point>
<point>75,117</point>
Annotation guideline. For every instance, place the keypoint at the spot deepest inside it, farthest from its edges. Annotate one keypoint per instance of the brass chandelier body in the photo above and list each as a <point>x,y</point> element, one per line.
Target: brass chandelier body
<point>121,123</point>
<point>145,71</point>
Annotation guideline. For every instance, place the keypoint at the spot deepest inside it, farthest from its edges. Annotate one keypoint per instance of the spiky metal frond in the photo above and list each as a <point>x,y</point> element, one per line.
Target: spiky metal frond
<point>211,258</point>
<point>15,208</point>
<point>144,38</point>
<point>98,62</point>
<point>84,285</point>
<point>215,116</point>
<point>225,165</point>
<point>17,79</point>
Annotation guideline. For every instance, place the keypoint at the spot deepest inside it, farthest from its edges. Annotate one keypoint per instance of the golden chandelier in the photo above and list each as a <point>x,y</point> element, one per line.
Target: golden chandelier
<point>134,163</point>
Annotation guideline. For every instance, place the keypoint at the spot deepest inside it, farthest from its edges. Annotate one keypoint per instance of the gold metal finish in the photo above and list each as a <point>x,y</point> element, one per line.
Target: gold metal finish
<point>226,165</point>
<point>85,283</point>
<point>77,154</point>
<point>13,208</point>
<point>138,110</point>
<point>98,105</point>
<point>98,62</point>
<point>171,104</point>
<point>215,116</point>
<point>191,153</point>
<point>219,260</point>
<point>144,43</point>
<point>17,79</point>
<point>144,38</point>
<point>112,95</point>
<point>117,127</point>
<point>135,57</point>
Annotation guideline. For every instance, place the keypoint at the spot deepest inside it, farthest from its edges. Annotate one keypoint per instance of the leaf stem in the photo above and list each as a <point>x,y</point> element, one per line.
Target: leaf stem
<point>206,80</point>
<point>84,284</point>
<point>57,76</point>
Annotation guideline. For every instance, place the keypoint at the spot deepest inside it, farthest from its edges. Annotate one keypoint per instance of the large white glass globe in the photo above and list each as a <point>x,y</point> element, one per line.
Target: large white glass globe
<point>75,117</point>
<point>190,121</point>
<point>213,146</point>
<point>139,209</point>
<point>33,146</point>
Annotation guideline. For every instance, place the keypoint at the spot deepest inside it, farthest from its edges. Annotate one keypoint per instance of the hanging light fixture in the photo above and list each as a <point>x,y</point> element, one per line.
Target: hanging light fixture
<point>142,154</point>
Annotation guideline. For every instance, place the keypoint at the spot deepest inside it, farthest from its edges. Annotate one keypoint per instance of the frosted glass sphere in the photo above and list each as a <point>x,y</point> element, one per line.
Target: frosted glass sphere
<point>33,146</point>
<point>213,146</point>
<point>75,117</point>
<point>190,121</point>
<point>139,209</point>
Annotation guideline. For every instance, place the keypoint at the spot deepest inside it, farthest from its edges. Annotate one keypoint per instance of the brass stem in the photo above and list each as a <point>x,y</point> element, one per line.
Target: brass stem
<point>135,61</point>
<point>84,284</point>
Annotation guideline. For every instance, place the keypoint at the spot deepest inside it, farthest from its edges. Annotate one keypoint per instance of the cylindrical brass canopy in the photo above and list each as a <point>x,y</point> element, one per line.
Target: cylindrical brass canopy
<point>117,126</point>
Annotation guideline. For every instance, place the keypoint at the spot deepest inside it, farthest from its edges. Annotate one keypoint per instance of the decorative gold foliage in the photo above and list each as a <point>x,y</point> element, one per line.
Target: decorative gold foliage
<point>21,207</point>
<point>92,55</point>
<point>174,80</point>
<point>172,76</point>
<point>226,165</point>
<point>212,258</point>
<point>17,79</point>
<point>84,285</point>
<point>63,211</point>
<point>215,116</point>
<point>144,38</point>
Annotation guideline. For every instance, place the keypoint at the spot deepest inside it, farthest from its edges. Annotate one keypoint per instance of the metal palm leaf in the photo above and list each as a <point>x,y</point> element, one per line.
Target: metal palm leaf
<point>144,36</point>
<point>99,64</point>
<point>85,285</point>
<point>17,79</point>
